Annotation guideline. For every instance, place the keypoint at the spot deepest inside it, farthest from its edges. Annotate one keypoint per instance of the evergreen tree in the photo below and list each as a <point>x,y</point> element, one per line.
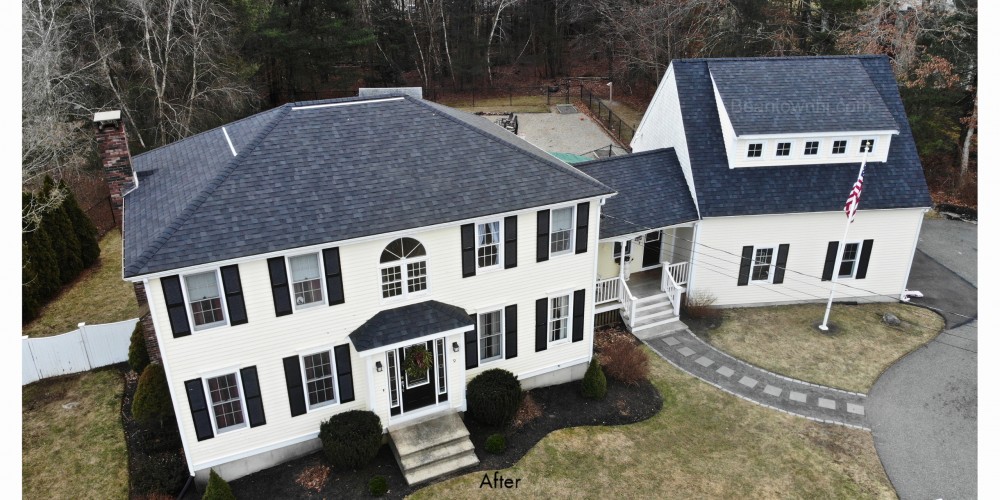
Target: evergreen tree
<point>39,268</point>
<point>86,233</point>
<point>65,244</point>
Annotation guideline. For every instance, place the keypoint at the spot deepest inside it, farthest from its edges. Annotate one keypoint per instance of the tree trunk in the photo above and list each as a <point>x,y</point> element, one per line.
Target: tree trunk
<point>967,143</point>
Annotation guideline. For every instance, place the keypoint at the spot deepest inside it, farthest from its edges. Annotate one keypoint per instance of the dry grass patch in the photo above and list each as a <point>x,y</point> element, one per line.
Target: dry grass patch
<point>77,452</point>
<point>784,339</point>
<point>703,444</point>
<point>99,295</point>
<point>515,104</point>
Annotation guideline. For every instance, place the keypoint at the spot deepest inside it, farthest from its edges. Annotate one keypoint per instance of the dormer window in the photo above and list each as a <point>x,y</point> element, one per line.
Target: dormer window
<point>839,147</point>
<point>784,149</point>
<point>812,147</point>
<point>755,150</point>
<point>867,145</point>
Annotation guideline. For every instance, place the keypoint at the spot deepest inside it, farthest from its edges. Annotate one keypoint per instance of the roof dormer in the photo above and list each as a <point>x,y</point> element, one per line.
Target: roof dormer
<point>778,112</point>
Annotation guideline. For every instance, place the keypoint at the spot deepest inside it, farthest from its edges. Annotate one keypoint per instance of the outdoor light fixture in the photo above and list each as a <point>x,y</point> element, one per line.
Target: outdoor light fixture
<point>378,366</point>
<point>454,346</point>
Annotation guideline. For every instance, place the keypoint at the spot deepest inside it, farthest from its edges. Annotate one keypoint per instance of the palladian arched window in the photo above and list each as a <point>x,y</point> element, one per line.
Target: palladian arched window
<point>403,268</point>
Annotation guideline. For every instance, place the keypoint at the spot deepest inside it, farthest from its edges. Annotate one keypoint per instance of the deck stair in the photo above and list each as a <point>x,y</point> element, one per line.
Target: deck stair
<point>433,447</point>
<point>652,311</point>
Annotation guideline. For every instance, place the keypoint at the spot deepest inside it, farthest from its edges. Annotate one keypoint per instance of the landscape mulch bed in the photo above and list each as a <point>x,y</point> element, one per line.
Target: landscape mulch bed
<point>561,406</point>
<point>147,452</point>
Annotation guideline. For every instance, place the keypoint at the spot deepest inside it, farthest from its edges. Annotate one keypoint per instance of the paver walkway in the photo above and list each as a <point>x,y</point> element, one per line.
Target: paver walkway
<point>684,350</point>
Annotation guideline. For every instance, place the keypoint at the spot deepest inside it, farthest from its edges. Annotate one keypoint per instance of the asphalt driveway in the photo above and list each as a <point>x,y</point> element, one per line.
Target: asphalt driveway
<point>922,410</point>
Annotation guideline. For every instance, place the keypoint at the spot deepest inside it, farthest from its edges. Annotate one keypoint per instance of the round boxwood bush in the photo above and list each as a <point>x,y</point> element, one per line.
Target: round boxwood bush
<point>493,397</point>
<point>378,486</point>
<point>595,385</point>
<point>218,488</point>
<point>496,444</point>
<point>162,473</point>
<point>351,439</point>
<point>152,397</point>
<point>138,356</point>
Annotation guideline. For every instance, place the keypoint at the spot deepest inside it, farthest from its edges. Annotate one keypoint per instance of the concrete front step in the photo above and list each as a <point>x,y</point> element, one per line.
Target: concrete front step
<point>432,447</point>
<point>435,453</point>
<point>440,468</point>
<point>415,437</point>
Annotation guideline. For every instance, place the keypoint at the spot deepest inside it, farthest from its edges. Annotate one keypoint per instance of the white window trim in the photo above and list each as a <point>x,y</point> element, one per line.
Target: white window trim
<point>222,301</point>
<point>770,272</point>
<point>479,337</point>
<point>572,231</point>
<point>874,146</point>
<point>211,406</point>
<point>857,259</point>
<point>763,150</point>
<point>847,146</point>
<point>305,381</point>
<point>291,284</point>
<point>819,148</point>
<point>569,318</point>
<point>406,294</point>
<point>500,244</point>
<point>791,148</point>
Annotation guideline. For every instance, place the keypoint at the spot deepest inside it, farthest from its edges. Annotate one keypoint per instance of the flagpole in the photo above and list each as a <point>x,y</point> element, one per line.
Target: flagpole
<point>840,255</point>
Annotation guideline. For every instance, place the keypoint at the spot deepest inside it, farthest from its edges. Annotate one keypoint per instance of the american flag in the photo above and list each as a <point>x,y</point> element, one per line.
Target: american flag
<point>851,207</point>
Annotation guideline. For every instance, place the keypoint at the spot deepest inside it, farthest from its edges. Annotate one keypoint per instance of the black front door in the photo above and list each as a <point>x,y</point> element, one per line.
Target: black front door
<point>418,391</point>
<point>651,250</point>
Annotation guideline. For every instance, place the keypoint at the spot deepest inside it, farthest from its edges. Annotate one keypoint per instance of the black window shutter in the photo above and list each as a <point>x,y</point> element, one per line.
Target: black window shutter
<point>234,294</point>
<point>779,266</point>
<point>579,300</point>
<point>831,260</point>
<point>345,377</point>
<point>510,331</point>
<point>251,390</point>
<point>542,250</point>
<point>866,254</point>
<point>744,277</point>
<point>176,310</point>
<point>541,324</point>
<point>279,286</point>
<point>472,345</point>
<point>510,242</point>
<point>468,250</point>
<point>199,409</point>
<point>293,381</point>
<point>582,223</point>
<point>334,280</point>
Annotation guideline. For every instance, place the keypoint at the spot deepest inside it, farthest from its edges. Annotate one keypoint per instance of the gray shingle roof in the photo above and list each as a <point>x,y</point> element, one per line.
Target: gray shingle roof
<point>652,192</point>
<point>312,176</point>
<point>789,95</point>
<point>897,183</point>
<point>408,323</point>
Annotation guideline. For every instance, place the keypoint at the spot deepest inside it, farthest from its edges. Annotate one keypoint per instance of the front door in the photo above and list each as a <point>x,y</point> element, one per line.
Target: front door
<point>417,388</point>
<point>651,250</point>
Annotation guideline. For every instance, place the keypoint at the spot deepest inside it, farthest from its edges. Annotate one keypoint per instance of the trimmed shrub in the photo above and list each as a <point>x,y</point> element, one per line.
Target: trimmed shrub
<point>493,397</point>
<point>496,444</point>
<point>138,356</point>
<point>218,488</point>
<point>152,403</point>
<point>378,486</point>
<point>700,306</point>
<point>65,245</point>
<point>595,385</point>
<point>351,439</point>
<point>624,360</point>
<point>163,473</point>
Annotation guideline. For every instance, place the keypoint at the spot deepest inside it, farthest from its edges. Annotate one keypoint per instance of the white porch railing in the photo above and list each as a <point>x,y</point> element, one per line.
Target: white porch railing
<point>679,271</point>
<point>607,290</point>
<point>669,285</point>
<point>628,303</point>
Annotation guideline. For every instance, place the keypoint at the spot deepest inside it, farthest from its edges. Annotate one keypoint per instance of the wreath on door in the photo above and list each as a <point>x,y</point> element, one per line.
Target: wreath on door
<point>418,361</point>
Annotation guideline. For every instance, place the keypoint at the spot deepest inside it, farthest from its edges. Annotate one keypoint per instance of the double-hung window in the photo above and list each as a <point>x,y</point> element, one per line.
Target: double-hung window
<point>307,287</point>
<point>839,147</point>
<point>849,261</point>
<point>319,379</point>
<point>559,319</point>
<point>763,264</point>
<point>561,231</point>
<point>488,245</point>
<point>812,147</point>
<point>403,268</point>
<point>491,336</point>
<point>227,404</point>
<point>205,300</point>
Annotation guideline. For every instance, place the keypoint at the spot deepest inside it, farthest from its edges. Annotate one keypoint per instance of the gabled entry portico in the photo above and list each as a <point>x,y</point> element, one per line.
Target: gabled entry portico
<point>407,352</point>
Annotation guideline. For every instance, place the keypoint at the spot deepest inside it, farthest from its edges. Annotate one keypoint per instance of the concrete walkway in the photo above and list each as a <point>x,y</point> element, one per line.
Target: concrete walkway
<point>687,352</point>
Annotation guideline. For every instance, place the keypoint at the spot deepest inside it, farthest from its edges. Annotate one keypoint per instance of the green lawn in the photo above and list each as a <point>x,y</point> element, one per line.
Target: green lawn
<point>99,295</point>
<point>77,452</point>
<point>783,339</point>
<point>703,444</point>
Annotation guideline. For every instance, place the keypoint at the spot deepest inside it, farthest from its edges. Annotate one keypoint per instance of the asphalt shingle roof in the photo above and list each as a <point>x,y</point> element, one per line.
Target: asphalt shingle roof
<point>897,183</point>
<point>312,176</point>
<point>652,192</point>
<point>408,323</point>
<point>788,95</point>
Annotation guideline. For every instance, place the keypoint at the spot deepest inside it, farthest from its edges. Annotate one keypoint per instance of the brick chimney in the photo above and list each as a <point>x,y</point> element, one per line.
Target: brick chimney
<point>116,161</point>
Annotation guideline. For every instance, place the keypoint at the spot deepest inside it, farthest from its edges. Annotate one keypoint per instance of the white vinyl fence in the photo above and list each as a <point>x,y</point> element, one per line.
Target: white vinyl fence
<point>86,348</point>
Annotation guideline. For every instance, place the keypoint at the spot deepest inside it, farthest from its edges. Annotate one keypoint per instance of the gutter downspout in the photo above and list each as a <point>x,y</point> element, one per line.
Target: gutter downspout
<point>913,253</point>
